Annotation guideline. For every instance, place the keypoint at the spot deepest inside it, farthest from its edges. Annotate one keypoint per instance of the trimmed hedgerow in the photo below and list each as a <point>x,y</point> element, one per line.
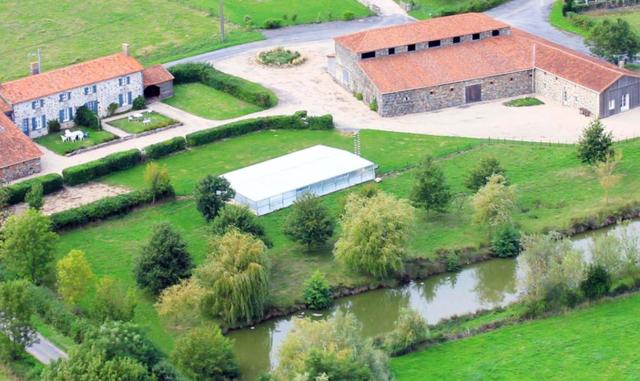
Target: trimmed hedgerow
<point>297,121</point>
<point>50,183</point>
<point>165,148</point>
<point>84,173</point>
<point>101,209</point>
<point>238,87</point>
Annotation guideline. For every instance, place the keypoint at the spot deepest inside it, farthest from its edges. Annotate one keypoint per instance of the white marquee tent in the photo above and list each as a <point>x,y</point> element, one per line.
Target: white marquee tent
<point>277,183</point>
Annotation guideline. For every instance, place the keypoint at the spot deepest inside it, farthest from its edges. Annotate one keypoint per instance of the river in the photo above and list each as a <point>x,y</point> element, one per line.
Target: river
<point>484,285</point>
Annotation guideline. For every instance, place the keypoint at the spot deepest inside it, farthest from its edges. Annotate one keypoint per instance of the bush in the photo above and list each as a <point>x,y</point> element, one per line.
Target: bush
<point>240,218</point>
<point>597,282</point>
<point>101,209</point>
<point>359,96</point>
<point>238,87</point>
<point>139,103</point>
<point>211,193</point>
<point>53,312</point>
<point>309,222</point>
<point>34,196</point>
<point>410,329</point>
<point>84,173</point>
<point>453,262</point>
<point>324,122</point>
<point>158,150</point>
<point>480,175</point>
<point>53,126</point>
<point>506,241</point>
<point>348,16</point>
<point>87,118</point>
<point>273,24</point>
<point>595,145</point>
<point>279,57</point>
<point>317,293</point>
<point>373,106</point>
<point>50,183</point>
<point>112,108</point>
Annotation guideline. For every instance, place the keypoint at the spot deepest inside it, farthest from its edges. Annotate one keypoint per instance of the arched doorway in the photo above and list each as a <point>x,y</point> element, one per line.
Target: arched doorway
<point>152,91</point>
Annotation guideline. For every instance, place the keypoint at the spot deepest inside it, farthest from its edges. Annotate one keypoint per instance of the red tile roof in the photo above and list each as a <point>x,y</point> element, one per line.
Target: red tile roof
<point>15,146</point>
<point>155,75</point>
<point>5,107</point>
<point>421,31</point>
<point>70,77</point>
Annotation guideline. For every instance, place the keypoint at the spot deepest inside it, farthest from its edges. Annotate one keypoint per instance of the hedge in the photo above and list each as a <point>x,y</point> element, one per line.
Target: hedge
<point>473,6</point>
<point>103,208</point>
<point>50,183</point>
<point>238,87</point>
<point>297,121</point>
<point>165,148</point>
<point>84,173</point>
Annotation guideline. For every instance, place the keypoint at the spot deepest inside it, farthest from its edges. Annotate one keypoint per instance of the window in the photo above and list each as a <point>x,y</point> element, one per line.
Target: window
<point>95,88</point>
<point>476,36</point>
<point>64,96</point>
<point>368,55</point>
<point>129,98</point>
<point>511,79</point>
<point>124,81</point>
<point>25,124</point>
<point>434,44</point>
<point>90,90</point>
<point>92,105</point>
<point>612,104</point>
<point>392,51</point>
<point>456,40</point>
<point>495,32</point>
<point>431,92</point>
<point>411,48</point>
<point>38,123</point>
<point>37,104</point>
<point>65,114</point>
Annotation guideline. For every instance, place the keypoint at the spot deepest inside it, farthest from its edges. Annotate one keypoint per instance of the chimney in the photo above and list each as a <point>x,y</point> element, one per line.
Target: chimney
<point>125,49</point>
<point>35,68</point>
<point>621,64</point>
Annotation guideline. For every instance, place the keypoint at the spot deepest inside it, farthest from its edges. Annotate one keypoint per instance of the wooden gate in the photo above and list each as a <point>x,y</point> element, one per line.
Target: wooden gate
<point>473,93</point>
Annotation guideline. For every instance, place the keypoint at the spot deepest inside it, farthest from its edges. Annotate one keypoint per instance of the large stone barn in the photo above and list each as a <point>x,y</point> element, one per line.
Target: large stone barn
<point>463,59</point>
<point>19,156</point>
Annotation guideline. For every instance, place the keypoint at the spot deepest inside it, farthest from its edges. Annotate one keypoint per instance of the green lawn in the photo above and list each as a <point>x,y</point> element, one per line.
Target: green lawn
<point>425,9</point>
<point>136,126</point>
<point>54,143</point>
<point>524,102</point>
<point>559,21</point>
<point>596,343</point>
<point>553,187</point>
<point>207,102</point>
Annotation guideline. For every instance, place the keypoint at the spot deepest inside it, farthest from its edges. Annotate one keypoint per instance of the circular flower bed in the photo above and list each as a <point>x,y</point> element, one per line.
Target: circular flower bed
<point>280,57</point>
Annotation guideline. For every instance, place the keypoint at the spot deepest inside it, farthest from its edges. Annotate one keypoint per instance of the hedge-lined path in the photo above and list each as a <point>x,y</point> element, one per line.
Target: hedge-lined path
<point>45,351</point>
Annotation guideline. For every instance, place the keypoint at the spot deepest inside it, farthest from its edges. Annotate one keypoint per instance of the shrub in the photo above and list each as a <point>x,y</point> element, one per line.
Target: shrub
<point>453,262</point>
<point>480,175</point>
<point>506,241</point>
<point>34,196</point>
<point>87,118</point>
<point>410,329</point>
<point>240,218</point>
<point>53,312</point>
<point>279,57</point>
<point>348,16</point>
<point>359,96</point>
<point>272,24</point>
<point>204,353</point>
<point>158,150</point>
<point>324,122</point>
<point>309,222</point>
<point>53,126</point>
<point>317,293</point>
<point>597,282</point>
<point>139,103</point>
<point>50,183</point>
<point>113,301</point>
<point>84,173</point>
<point>595,145</point>
<point>373,106</point>
<point>157,180</point>
<point>112,108</point>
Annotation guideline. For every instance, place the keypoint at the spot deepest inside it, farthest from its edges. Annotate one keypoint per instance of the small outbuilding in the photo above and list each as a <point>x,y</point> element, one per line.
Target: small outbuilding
<point>275,184</point>
<point>158,83</point>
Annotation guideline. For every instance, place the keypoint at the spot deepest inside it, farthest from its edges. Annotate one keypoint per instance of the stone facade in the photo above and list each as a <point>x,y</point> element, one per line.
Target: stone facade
<point>17,171</point>
<point>350,75</point>
<point>566,93</point>
<point>106,92</point>
<point>454,94</point>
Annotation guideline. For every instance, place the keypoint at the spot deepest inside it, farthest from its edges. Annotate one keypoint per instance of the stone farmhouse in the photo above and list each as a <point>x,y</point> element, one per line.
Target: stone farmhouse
<point>19,156</point>
<point>462,59</point>
<point>116,79</point>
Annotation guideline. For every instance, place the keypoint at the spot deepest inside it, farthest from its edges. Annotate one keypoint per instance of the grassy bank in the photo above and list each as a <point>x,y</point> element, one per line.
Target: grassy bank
<point>597,342</point>
<point>207,102</point>
<point>425,9</point>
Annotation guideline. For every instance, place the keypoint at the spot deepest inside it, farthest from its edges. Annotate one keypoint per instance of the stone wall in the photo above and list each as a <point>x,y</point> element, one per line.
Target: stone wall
<point>566,93</point>
<point>106,93</point>
<point>454,94</point>
<point>348,73</point>
<point>20,170</point>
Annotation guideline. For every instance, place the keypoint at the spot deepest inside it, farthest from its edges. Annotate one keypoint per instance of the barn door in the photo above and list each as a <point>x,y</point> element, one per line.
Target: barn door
<point>473,93</point>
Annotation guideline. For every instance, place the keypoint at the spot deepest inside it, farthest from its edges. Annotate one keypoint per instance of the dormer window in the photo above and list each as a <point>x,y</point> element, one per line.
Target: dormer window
<point>368,55</point>
<point>476,36</point>
<point>495,32</point>
<point>456,40</point>
<point>392,51</point>
<point>411,48</point>
<point>434,44</point>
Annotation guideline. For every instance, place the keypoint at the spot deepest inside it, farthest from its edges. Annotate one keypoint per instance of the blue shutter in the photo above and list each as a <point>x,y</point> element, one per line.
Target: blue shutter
<point>71,113</point>
<point>33,105</point>
<point>120,99</point>
<point>69,95</point>
<point>25,124</point>
<point>120,81</point>
<point>61,115</point>
<point>129,97</point>
<point>61,97</point>
<point>95,89</point>
<point>44,121</point>
<point>34,123</point>
<point>41,102</point>
<point>86,91</point>
<point>128,80</point>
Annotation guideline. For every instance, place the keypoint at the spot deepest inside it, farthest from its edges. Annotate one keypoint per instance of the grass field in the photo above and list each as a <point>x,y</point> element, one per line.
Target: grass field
<point>631,16</point>
<point>595,343</point>
<point>134,126</point>
<point>552,186</point>
<point>159,31</point>
<point>559,21</point>
<point>207,102</point>
<point>424,9</point>
<point>54,143</point>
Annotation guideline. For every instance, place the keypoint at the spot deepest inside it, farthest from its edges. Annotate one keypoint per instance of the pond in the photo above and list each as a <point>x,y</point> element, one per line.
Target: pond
<point>484,285</point>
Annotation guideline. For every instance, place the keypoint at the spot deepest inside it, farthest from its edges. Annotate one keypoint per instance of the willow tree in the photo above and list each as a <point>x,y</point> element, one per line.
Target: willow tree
<point>494,203</point>
<point>235,277</point>
<point>374,234</point>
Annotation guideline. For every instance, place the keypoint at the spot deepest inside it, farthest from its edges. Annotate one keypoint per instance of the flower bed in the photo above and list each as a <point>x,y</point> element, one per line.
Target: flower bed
<point>280,57</point>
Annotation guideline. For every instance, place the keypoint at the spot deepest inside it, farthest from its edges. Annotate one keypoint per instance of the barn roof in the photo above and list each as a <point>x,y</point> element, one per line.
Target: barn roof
<point>15,146</point>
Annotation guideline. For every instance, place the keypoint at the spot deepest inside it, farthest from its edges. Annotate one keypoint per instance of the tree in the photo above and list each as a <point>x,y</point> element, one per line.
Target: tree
<point>87,118</point>
<point>240,218</point>
<point>211,193</point>
<point>331,348</point>
<point>164,261</point>
<point>597,282</point>
<point>236,278</point>
<point>27,249</point>
<point>410,329</point>
<point>205,354</point>
<point>317,293</point>
<point>430,190</point>
<point>139,103</point>
<point>613,40</point>
<point>92,364</point>
<point>17,308</point>
<point>35,196</point>
<point>605,171</point>
<point>309,222</point>
<point>157,179</point>
<point>113,301</point>
<point>480,175</point>
<point>74,276</point>
<point>494,202</point>
<point>595,145</point>
<point>506,241</point>
<point>180,304</point>
<point>374,234</point>
<point>120,339</point>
